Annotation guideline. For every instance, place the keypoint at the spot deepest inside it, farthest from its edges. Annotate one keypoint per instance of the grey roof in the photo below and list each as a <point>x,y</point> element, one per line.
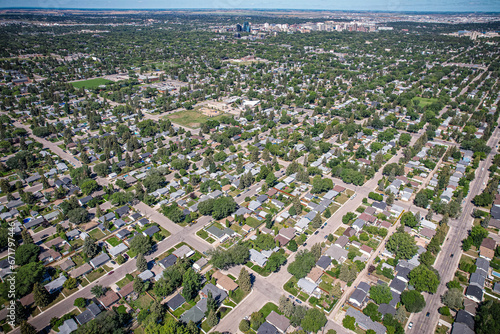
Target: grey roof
<point>34,222</point>
<point>477,279</point>
<point>56,284</point>
<point>90,313</point>
<point>176,301</point>
<point>193,314</point>
<point>99,260</point>
<point>461,328</point>
<point>474,291</point>
<point>217,294</point>
<point>386,308</point>
<point>217,232</point>
<point>398,285</point>
<point>324,261</point>
<point>150,231</point>
<point>122,211</point>
<point>267,328</point>
<point>396,298</point>
<point>68,326</point>
<point>119,223</point>
<point>364,286</point>
<point>365,322</point>
<point>359,296</point>
<point>168,261</point>
<point>466,318</point>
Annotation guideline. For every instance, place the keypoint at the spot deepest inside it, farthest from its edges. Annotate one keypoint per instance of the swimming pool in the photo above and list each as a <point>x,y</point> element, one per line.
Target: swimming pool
<point>495,273</point>
<point>26,220</point>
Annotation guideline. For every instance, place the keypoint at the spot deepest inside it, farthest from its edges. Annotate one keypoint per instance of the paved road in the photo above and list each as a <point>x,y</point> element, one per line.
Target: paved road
<point>445,264</point>
<point>50,145</point>
<point>186,234</point>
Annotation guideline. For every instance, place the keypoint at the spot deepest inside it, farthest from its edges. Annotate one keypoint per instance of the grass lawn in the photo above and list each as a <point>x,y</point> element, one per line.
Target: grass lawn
<point>341,199</point>
<point>223,311</point>
<point>96,234</point>
<point>334,208</point>
<point>190,118</point>
<point>76,243</point>
<point>202,234</point>
<point>78,260</point>
<point>441,329</point>
<point>68,292</point>
<point>139,330</point>
<point>238,295</point>
<point>340,231</point>
<point>91,83</point>
<point>266,309</point>
<point>84,282</point>
<point>350,192</point>
<point>142,302</point>
<point>54,301</point>
<point>253,222</point>
<point>131,253</point>
<point>92,276</point>
<point>227,302</point>
<point>302,296</point>
<point>210,240</point>
<point>113,241</point>
<point>124,281</point>
<point>205,326</point>
<point>290,286</point>
<point>422,101</point>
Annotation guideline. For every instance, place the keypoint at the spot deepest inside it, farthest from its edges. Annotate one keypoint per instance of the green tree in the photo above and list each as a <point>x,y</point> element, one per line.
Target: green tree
<point>138,285</point>
<point>90,247</point>
<point>27,253</point>
<point>88,186</point>
<point>191,284</point>
<point>141,263</point>
<point>349,322</point>
<point>245,280</point>
<point>408,219</point>
<point>27,328</point>
<point>313,321</point>
<point>453,298</point>
<point>212,318</point>
<point>424,279</point>
<point>380,294</point>
<point>40,295</point>
<point>244,325</point>
<point>98,291</point>
<point>402,245</point>
<point>413,301</point>
<point>141,244</point>
<point>486,319</point>
<point>78,216</point>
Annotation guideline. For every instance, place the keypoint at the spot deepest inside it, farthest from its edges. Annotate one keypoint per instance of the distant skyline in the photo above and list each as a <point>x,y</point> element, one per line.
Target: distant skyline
<point>351,5</point>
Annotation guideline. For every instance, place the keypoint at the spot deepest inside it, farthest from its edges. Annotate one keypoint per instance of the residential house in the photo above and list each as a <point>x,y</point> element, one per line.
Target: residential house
<point>99,260</point>
<point>92,311</point>
<point>109,299</point>
<point>487,249</point>
<point>280,322</point>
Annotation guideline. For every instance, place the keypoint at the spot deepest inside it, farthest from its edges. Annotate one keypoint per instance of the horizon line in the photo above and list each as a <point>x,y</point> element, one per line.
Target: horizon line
<point>258,9</point>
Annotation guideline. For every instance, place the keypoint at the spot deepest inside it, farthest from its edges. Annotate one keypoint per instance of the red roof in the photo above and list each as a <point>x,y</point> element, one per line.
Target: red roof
<point>338,188</point>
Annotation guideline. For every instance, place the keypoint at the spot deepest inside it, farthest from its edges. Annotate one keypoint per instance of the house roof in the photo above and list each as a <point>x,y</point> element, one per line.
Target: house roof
<point>359,296</point>
<point>168,261</point>
<point>324,261</point>
<point>466,318</point>
<point>193,314</point>
<point>184,250</point>
<point>474,291</point>
<point>176,302</point>
<point>279,321</point>
<point>82,270</point>
<point>68,326</point>
<point>461,328</point>
<point>224,281</point>
<point>127,289</point>
<point>315,274</point>
<point>99,260</point>
<point>109,298</point>
<point>307,285</point>
<point>365,322</point>
<point>267,328</point>
<point>488,243</point>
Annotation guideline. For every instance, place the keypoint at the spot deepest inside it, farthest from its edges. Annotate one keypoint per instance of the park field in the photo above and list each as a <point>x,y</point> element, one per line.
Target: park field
<point>190,118</point>
<point>422,101</point>
<point>91,83</point>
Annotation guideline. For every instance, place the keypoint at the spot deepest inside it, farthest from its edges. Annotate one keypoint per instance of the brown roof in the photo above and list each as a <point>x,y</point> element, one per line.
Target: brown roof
<point>315,274</point>
<point>489,243</point>
<point>54,242</point>
<point>246,228</point>
<point>127,289</point>
<point>366,249</point>
<point>338,188</point>
<point>349,232</point>
<point>282,240</point>
<point>427,232</point>
<point>109,298</point>
<point>279,321</point>
<point>370,210</point>
<point>495,223</point>
<point>27,300</point>
<point>288,233</point>
<point>67,264</point>
<point>226,187</point>
<point>368,218</point>
<point>385,224</point>
<point>486,252</point>
<point>224,281</point>
<point>85,268</point>
<point>271,192</point>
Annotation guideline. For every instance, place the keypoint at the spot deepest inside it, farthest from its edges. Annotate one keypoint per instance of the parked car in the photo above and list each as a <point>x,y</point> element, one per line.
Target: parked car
<point>298,301</point>
<point>111,272</point>
<point>410,325</point>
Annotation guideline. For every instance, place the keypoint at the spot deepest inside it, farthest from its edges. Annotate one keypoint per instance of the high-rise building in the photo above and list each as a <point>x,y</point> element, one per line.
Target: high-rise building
<point>238,27</point>
<point>246,27</point>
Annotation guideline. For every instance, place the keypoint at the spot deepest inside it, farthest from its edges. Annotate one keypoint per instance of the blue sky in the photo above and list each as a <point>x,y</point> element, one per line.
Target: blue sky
<point>378,5</point>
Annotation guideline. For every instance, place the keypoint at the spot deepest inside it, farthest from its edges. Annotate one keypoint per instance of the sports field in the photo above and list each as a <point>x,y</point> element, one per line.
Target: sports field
<point>91,83</point>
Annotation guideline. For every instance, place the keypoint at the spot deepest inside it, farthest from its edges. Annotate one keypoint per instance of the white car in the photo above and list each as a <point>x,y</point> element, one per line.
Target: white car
<point>410,325</point>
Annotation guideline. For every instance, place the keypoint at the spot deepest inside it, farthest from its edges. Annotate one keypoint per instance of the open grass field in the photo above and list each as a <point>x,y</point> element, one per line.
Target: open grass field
<point>190,118</point>
<point>91,83</point>
<point>422,101</point>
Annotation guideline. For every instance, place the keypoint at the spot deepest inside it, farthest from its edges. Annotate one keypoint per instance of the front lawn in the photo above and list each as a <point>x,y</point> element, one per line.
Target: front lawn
<point>113,241</point>
<point>268,308</point>
<point>92,276</point>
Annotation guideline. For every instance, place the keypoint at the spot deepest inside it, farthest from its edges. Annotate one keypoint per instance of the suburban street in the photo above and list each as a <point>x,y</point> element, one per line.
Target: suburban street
<point>445,264</point>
